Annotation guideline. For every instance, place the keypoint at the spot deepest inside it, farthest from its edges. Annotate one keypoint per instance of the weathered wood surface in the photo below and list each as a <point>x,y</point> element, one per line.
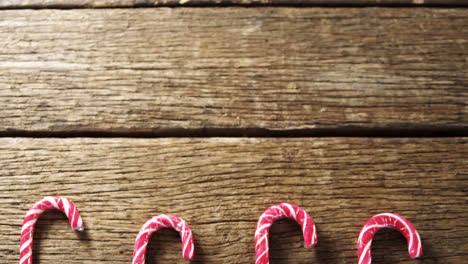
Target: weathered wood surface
<point>272,68</point>
<point>222,185</point>
<point>157,3</point>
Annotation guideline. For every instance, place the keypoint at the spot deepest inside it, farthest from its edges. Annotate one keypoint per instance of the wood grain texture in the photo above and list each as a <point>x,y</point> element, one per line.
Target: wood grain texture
<point>222,185</point>
<point>157,3</point>
<point>270,68</point>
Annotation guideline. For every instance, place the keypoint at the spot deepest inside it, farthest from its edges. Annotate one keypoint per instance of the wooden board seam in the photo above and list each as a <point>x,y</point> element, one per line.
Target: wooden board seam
<point>380,132</point>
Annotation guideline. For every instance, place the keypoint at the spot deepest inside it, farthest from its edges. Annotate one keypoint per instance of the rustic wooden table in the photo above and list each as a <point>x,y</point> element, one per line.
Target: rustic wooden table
<point>347,109</point>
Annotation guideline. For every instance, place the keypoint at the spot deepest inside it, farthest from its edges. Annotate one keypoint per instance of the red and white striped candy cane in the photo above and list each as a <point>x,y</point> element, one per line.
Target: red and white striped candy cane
<point>387,220</point>
<point>274,213</point>
<point>160,222</point>
<point>48,203</point>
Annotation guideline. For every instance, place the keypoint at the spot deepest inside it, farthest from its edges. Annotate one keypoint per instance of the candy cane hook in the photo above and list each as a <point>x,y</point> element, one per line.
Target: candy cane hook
<point>48,203</point>
<point>387,220</point>
<point>160,222</point>
<point>274,213</point>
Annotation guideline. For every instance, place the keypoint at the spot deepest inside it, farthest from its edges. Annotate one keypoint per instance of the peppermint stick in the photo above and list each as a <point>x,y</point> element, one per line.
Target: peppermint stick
<point>387,220</point>
<point>160,222</point>
<point>48,203</point>
<point>274,213</point>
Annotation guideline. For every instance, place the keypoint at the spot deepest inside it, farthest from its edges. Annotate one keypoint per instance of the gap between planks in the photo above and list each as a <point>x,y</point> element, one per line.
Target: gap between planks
<point>382,132</point>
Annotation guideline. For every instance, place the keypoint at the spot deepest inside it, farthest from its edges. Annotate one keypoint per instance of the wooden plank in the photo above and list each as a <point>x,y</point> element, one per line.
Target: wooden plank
<point>157,3</point>
<point>222,185</point>
<point>271,68</point>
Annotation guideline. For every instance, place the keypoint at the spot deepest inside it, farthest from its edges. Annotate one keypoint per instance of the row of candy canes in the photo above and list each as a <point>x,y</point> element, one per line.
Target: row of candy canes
<point>279,211</point>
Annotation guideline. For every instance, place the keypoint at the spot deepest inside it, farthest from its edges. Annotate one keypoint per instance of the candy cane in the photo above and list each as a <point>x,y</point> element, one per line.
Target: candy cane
<point>387,220</point>
<point>274,213</point>
<point>48,203</point>
<point>160,222</point>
